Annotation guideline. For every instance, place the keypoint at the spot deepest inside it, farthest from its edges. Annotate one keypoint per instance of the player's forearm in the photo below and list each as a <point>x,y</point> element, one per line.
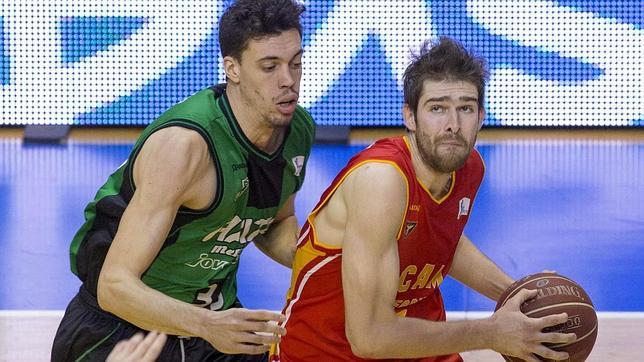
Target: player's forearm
<point>279,242</point>
<point>472,268</point>
<point>130,299</point>
<point>414,338</point>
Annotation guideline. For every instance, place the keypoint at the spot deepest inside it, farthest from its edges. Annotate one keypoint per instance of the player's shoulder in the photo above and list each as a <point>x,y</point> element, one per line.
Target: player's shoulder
<point>392,150</point>
<point>388,146</point>
<point>373,186</point>
<point>381,175</point>
<point>199,107</point>
<point>177,133</point>
<point>176,141</point>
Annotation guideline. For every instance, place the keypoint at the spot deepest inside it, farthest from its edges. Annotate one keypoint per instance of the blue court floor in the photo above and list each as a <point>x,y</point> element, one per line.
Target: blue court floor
<point>572,205</point>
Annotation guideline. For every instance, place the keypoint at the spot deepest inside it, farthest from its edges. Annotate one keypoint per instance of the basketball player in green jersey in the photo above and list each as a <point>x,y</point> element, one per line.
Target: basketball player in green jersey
<point>162,239</point>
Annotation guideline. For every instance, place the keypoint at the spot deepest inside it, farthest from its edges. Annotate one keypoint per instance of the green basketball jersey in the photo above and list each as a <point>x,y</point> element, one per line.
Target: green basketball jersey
<point>198,261</point>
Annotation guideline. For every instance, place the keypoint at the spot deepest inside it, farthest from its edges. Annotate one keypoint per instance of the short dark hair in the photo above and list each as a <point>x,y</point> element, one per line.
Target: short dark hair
<point>444,59</point>
<point>253,19</point>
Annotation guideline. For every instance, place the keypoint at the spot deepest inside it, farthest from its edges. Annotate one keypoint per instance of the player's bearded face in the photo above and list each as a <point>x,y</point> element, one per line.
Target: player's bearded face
<point>444,152</point>
<point>446,123</point>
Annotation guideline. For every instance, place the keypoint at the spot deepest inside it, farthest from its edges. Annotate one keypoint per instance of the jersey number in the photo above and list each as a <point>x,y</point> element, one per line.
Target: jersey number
<point>204,297</point>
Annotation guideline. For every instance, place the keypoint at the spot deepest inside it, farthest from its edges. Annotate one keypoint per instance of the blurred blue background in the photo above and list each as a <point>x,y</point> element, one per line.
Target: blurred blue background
<point>572,206</point>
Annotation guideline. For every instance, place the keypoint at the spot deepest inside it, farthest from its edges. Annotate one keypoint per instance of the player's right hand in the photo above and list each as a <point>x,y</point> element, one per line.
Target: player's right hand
<point>239,330</point>
<point>515,334</point>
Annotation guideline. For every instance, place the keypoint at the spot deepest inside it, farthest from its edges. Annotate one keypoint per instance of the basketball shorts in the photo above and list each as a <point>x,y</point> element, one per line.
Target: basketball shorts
<point>87,333</point>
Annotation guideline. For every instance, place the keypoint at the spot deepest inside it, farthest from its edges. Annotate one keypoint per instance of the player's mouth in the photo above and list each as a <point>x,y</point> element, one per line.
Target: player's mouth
<point>287,106</point>
<point>452,142</point>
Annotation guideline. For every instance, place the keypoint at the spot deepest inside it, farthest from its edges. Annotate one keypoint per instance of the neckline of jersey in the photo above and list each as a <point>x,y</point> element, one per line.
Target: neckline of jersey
<point>224,104</point>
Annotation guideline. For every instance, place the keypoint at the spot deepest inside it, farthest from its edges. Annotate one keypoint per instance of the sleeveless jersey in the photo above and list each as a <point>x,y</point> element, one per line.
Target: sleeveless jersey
<point>198,261</point>
<point>427,241</point>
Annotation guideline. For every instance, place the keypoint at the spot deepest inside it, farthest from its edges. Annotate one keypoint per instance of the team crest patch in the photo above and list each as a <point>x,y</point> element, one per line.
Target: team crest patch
<point>409,227</point>
<point>463,207</point>
<point>298,164</point>
<point>244,188</point>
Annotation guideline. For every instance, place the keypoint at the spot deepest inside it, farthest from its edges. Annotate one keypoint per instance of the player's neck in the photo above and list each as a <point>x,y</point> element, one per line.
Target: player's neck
<point>437,183</point>
<point>261,134</point>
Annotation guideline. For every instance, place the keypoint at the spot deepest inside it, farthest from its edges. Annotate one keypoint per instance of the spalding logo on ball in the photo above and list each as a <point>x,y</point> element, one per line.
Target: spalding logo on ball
<point>558,294</point>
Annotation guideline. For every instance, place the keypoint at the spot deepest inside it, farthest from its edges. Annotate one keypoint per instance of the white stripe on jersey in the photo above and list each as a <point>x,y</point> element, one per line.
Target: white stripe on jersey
<point>304,235</point>
<point>308,274</point>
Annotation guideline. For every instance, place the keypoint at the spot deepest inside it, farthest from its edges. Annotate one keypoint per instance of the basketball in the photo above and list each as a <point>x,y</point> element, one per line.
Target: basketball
<point>558,294</point>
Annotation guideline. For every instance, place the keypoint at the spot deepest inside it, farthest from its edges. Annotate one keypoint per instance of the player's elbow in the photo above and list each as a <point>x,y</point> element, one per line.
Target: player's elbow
<point>365,351</point>
<point>107,291</point>
<point>363,343</point>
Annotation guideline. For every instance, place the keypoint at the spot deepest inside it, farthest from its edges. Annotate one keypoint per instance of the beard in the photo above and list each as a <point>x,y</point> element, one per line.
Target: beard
<point>444,161</point>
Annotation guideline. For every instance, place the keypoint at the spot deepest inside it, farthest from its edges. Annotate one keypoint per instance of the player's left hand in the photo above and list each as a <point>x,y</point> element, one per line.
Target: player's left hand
<point>138,348</point>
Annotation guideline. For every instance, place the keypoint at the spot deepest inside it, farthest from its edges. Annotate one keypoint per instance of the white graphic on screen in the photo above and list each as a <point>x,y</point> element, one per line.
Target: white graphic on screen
<point>43,90</point>
<point>401,26</point>
<point>516,98</point>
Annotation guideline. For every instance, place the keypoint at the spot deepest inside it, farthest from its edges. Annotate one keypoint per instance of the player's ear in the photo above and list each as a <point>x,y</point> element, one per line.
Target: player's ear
<point>481,117</point>
<point>231,67</point>
<point>409,117</point>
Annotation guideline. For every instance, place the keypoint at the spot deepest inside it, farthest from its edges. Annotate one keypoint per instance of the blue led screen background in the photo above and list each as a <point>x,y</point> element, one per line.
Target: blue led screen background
<point>117,62</point>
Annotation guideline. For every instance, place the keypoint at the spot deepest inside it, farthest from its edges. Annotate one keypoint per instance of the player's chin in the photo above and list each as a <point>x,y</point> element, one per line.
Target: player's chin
<point>281,120</point>
<point>451,162</point>
<point>452,152</point>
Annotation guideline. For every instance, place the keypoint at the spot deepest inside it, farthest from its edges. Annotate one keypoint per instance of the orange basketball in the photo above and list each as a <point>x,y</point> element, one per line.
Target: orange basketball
<point>558,294</point>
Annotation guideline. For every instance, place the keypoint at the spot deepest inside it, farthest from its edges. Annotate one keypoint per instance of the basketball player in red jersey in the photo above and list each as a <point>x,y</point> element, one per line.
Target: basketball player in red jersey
<point>375,249</point>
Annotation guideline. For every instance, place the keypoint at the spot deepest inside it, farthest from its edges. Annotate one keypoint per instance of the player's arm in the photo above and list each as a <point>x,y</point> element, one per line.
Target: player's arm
<point>370,276</point>
<point>474,269</point>
<point>167,173</point>
<point>279,241</point>
<point>165,170</point>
